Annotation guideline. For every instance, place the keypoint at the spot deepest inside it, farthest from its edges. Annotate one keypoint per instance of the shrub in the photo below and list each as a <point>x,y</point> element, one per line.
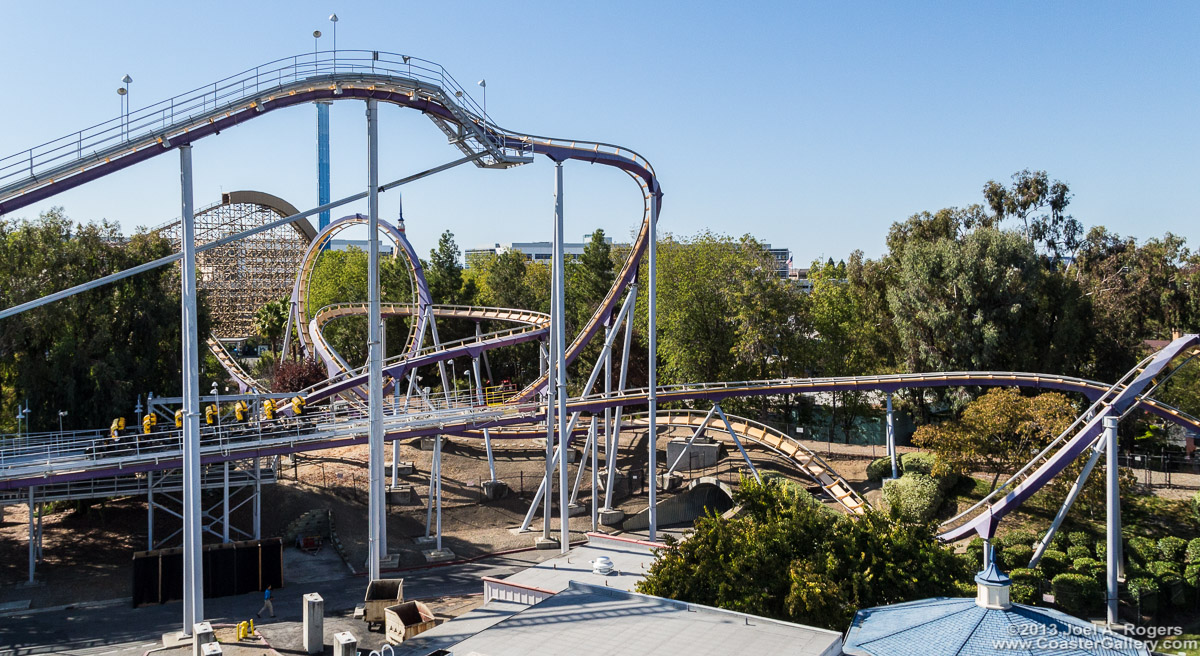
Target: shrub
<point>915,496</point>
<point>967,589</point>
<point>1025,575</point>
<point>1145,592</point>
<point>1172,584</point>
<point>1195,506</point>
<point>1016,556</point>
<point>1054,562</point>
<point>1023,593</point>
<point>1089,566</point>
<point>1161,568</point>
<point>1101,550</point>
<point>1192,555</point>
<point>1191,575</point>
<point>1171,549</point>
<point>975,548</point>
<point>1020,536</point>
<point>918,463</point>
<point>1141,549</point>
<point>1079,539</point>
<point>880,469</point>
<point>1060,542</point>
<point>1078,551</point>
<point>1075,593</point>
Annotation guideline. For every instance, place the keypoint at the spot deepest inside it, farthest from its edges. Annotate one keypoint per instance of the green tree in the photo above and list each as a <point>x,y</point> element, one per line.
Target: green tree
<point>93,353</point>
<point>1040,205</point>
<point>444,274</point>
<point>270,320</point>
<point>787,557</point>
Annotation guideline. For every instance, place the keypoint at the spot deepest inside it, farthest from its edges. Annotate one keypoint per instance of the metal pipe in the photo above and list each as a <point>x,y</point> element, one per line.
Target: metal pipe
<point>217,243</point>
<point>1040,547</point>
<point>487,435</point>
<point>891,436</point>
<point>150,511</point>
<point>437,456</point>
<point>32,542</point>
<point>193,563</point>
<point>616,438</point>
<point>258,499</point>
<point>1114,518</point>
<point>608,432</point>
<point>652,363</point>
<point>225,504</point>
<point>376,516</point>
<point>738,442</point>
<point>560,354</point>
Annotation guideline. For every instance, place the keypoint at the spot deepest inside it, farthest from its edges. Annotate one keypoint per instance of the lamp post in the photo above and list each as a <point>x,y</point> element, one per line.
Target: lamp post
<point>483,83</point>
<point>61,414</point>
<point>123,92</point>
<point>217,402</point>
<point>316,35</point>
<point>334,19</point>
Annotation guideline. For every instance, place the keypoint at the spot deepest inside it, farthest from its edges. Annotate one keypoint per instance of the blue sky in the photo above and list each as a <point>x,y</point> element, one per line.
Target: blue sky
<point>810,126</point>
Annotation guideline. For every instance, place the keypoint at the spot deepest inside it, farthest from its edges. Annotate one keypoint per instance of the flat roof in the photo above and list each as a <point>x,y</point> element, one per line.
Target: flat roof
<point>631,560</point>
<point>591,620</point>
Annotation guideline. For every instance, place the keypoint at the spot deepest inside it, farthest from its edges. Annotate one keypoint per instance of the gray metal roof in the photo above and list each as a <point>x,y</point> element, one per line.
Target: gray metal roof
<point>589,620</point>
<point>631,560</point>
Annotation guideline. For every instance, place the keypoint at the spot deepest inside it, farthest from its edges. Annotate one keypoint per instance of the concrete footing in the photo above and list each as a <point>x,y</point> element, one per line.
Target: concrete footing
<point>576,509</point>
<point>428,443</point>
<point>669,481</point>
<point>546,543</point>
<point>611,517</point>
<point>406,467</point>
<point>438,555</point>
<point>493,490</point>
<point>400,494</point>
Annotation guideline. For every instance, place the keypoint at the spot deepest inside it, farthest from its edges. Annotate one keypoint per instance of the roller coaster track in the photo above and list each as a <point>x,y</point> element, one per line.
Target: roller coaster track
<point>772,439</point>
<point>1119,399</point>
<point>246,383</point>
<point>46,458</point>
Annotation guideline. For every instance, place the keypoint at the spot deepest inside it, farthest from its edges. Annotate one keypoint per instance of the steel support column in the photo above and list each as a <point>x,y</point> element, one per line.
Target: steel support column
<point>258,498</point>
<point>560,357</point>
<point>487,435</point>
<point>891,436</point>
<point>652,362</point>
<point>32,539</point>
<point>225,504</point>
<point>1113,550</point>
<point>376,512</point>
<point>193,563</point>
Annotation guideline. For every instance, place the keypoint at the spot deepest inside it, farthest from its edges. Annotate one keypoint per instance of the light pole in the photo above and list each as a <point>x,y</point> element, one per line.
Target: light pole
<point>217,403</point>
<point>483,83</point>
<point>61,414</point>
<point>123,92</point>
<point>334,19</point>
<point>316,35</point>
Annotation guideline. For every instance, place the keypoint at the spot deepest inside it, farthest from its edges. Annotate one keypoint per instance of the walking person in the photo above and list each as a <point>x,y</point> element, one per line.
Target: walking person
<point>266,603</point>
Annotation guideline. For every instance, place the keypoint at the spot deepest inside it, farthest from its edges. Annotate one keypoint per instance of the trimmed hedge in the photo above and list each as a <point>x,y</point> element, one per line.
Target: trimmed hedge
<point>1144,590</point>
<point>1172,584</point>
<point>1089,566</point>
<point>1195,506</point>
<point>918,463</point>
<point>1018,537</point>
<point>1192,554</point>
<point>1079,539</point>
<point>1142,549</point>
<point>1023,593</point>
<point>915,496</point>
<point>1192,575</point>
<point>1025,575</point>
<point>880,469</point>
<point>1060,542</point>
<point>1101,550</point>
<point>1076,552</point>
<point>1161,568</point>
<point>1171,549</point>
<point>1016,556</point>
<point>1054,562</point>
<point>1075,593</point>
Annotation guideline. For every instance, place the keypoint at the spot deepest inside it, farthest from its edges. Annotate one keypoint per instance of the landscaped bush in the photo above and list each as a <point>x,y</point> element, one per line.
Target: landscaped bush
<point>975,548</point>
<point>1089,566</point>
<point>880,469</point>
<point>1075,593</point>
<point>918,463</point>
<point>1015,556</point>
<point>1195,506</point>
<point>967,589</point>
<point>1079,538</point>
<point>1060,542</point>
<point>1171,549</point>
<point>915,496</point>
<point>1023,593</point>
<point>1077,551</point>
<point>1141,549</point>
<point>1172,584</point>
<point>1025,575</point>
<point>1144,590</point>
<point>1192,555</point>
<point>1020,536</point>
<point>1161,568</point>
<point>1101,550</point>
<point>1191,575</point>
<point>1054,562</point>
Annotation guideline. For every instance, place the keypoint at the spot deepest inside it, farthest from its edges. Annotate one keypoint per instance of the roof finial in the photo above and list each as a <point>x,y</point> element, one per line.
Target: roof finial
<point>400,222</point>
